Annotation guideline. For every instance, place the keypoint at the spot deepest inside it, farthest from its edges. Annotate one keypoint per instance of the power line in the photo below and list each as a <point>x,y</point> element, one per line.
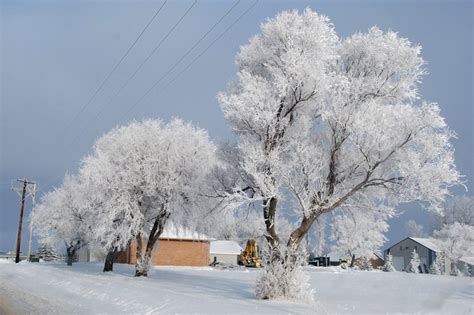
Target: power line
<point>185,54</point>
<point>137,70</point>
<point>192,62</point>
<point>130,78</point>
<point>114,69</point>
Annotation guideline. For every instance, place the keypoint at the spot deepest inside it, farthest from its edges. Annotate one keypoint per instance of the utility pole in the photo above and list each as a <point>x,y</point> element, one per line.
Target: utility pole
<point>22,207</point>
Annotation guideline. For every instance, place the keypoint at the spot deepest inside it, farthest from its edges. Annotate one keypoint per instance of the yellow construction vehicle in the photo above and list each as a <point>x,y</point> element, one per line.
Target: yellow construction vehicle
<point>249,257</point>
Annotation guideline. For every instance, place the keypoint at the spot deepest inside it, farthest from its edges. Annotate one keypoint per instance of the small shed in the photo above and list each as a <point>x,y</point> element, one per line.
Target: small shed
<point>225,252</point>
<point>401,253</point>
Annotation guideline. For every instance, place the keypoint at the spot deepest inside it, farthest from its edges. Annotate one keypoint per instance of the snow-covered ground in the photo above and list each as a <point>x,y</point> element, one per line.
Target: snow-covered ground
<point>84,288</point>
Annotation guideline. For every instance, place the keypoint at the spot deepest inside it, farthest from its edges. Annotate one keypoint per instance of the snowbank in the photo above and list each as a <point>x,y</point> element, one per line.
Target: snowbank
<point>84,288</point>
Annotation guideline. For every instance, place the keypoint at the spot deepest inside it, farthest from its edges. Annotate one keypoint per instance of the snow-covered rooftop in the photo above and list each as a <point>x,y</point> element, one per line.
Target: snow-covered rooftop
<point>468,260</point>
<point>173,231</point>
<point>225,247</point>
<point>428,243</point>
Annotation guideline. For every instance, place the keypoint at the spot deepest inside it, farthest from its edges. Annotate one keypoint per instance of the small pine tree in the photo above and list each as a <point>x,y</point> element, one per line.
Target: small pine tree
<point>413,266</point>
<point>365,264</point>
<point>47,252</point>
<point>435,268</point>
<point>441,261</point>
<point>388,265</point>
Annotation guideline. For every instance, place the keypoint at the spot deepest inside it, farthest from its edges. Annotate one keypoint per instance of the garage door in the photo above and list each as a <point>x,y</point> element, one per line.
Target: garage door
<point>398,262</point>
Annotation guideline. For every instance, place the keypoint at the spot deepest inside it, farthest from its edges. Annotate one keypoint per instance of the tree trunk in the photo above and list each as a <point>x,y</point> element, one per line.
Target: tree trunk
<point>109,261</point>
<point>295,240</point>
<point>71,253</point>
<point>269,214</point>
<point>142,266</point>
<point>139,256</point>
<point>353,258</point>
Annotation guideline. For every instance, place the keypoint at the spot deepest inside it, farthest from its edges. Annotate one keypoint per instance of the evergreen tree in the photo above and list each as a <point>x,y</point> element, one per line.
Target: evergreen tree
<point>47,252</point>
<point>388,266</point>
<point>435,268</point>
<point>365,264</point>
<point>441,261</point>
<point>414,263</point>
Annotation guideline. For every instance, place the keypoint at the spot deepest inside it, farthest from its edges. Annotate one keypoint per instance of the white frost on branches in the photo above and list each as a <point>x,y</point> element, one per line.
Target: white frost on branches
<point>414,264</point>
<point>61,216</point>
<point>334,123</point>
<point>358,236</point>
<point>455,240</point>
<point>148,172</point>
<point>388,265</point>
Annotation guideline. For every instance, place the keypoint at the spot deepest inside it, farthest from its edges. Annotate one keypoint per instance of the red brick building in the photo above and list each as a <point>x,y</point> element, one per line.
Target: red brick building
<point>175,247</point>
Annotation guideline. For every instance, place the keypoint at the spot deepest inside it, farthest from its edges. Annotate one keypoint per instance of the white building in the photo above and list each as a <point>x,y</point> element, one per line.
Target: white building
<point>225,252</point>
<point>426,249</point>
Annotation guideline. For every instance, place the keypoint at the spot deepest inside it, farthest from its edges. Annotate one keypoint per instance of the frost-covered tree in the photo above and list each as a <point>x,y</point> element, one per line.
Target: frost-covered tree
<point>435,268</point>
<point>455,241</point>
<point>233,224</point>
<point>388,264</point>
<point>61,216</point>
<point>149,173</point>
<point>358,236</point>
<point>46,251</point>
<point>320,247</point>
<point>365,264</point>
<point>331,123</point>
<point>414,264</point>
<point>414,229</point>
<point>458,209</point>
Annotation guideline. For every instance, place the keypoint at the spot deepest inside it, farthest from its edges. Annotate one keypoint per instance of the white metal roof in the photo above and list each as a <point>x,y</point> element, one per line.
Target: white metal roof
<point>428,243</point>
<point>225,247</point>
<point>173,231</point>
<point>468,260</point>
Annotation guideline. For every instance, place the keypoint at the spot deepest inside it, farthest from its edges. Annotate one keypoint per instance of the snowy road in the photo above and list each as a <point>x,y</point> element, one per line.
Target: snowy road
<point>84,289</point>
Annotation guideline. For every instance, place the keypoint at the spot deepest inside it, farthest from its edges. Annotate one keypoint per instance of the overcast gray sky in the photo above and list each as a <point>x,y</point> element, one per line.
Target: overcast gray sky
<point>54,55</point>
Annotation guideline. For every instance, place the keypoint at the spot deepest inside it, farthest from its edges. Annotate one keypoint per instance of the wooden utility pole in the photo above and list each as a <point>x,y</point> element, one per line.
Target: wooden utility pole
<point>20,223</point>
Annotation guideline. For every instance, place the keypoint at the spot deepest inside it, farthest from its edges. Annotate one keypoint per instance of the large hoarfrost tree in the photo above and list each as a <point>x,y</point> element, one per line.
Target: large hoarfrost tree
<point>455,241</point>
<point>149,172</point>
<point>62,216</point>
<point>358,236</point>
<point>332,122</point>
<point>458,209</point>
<point>414,229</point>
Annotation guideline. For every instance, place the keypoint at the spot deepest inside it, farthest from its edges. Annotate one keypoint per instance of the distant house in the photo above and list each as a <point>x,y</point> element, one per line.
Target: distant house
<point>376,261</point>
<point>401,253</point>
<point>469,261</point>
<point>225,252</point>
<point>177,246</point>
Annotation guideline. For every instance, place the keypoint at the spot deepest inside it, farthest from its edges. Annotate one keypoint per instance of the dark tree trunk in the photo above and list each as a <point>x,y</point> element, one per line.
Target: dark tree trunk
<point>109,261</point>
<point>353,260</point>
<point>296,237</point>
<point>71,253</point>
<point>269,214</point>
<point>139,256</point>
<point>141,268</point>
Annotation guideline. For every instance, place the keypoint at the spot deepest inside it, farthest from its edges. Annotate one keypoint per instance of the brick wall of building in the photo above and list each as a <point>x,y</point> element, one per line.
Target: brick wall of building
<point>171,253</point>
